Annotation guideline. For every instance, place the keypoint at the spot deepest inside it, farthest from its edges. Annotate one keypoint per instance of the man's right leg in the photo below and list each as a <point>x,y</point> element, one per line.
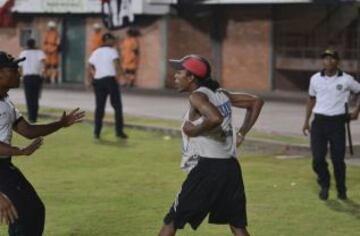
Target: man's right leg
<point>168,230</point>
<point>239,232</point>
<point>319,150</point>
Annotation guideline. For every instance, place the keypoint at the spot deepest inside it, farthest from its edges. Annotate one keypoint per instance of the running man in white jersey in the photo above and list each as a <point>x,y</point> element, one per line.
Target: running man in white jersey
<point>214,183</point>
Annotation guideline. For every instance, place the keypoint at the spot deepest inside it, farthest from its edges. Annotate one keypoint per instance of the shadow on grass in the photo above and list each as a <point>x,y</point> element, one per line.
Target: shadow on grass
<point>118,143</point>
<point>349,207</point>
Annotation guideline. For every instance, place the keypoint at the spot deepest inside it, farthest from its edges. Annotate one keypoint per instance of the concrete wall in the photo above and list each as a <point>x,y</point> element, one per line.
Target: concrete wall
<point>187,36</point>
<point>246,49</point>
<point>243,48</point>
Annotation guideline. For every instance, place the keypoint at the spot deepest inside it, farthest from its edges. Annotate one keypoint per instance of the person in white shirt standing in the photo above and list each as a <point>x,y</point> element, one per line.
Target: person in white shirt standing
<point>214,183</point>
<point>329,93</point>
<point>32,71</point>
<point>103,71</point>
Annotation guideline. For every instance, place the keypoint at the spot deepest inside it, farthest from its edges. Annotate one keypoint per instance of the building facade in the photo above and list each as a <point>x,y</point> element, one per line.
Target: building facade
<point>252,45</point>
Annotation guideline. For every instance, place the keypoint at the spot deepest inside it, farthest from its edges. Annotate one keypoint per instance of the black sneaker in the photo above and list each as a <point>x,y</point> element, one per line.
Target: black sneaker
<point>324,194</point>
<point>342,196</point>
<point>122,136</point>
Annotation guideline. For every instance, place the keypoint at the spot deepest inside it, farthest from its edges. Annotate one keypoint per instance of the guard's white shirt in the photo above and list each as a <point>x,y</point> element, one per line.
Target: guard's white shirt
<point>219,143</point>
<point>332,92</point>
<point>103,61</point>
<point>8,116</point>
<point>33,64</point>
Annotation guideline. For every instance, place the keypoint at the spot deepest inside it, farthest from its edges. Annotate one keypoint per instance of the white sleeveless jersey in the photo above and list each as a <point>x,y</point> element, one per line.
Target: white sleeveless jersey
<point>219,142</point>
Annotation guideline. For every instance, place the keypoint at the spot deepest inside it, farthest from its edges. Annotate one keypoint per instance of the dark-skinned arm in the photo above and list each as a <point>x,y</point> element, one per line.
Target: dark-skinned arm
<point>118,69</point>
<point>253,105</point>
<point>210,114</point>
<point>90,74</point>
<point>8,150</point>
<point>354,115</point>
<point>310,103</point>
<point>33,131</point>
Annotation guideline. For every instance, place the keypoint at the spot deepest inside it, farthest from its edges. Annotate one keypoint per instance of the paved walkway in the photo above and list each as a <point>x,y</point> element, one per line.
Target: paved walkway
<point>277,117</point>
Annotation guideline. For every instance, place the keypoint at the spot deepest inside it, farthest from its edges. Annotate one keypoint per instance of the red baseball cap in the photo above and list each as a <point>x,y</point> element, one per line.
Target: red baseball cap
<point>193,63</point>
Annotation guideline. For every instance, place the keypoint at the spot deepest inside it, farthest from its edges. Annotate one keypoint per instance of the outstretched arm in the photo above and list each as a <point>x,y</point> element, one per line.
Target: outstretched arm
<point>33,131</point>
<point>8,150</point>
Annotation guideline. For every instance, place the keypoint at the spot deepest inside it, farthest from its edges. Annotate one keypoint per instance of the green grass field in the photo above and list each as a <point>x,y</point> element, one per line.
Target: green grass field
<point>117,188</point>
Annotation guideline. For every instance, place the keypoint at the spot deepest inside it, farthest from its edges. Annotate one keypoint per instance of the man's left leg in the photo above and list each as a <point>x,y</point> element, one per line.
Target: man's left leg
<point>337,150</point>
<point>115,100</point>
<point>239,231</point>
<point>168,230</point>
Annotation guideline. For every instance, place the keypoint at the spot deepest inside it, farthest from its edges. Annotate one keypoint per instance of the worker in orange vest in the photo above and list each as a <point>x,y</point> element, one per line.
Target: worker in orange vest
<point>51,47</point>
<point>96,37</point>
<point>130,56</point>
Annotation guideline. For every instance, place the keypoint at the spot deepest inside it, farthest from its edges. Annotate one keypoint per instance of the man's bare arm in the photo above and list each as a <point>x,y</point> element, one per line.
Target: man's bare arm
<point>210,114</point>
<point>33,131</point>
<point>253,105</point>
<point>8,150</point>
<point>310,103</point>
<point>90,74</point>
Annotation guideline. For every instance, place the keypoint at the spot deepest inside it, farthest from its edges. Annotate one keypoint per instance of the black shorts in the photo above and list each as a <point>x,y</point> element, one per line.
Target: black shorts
<point>214,186</point>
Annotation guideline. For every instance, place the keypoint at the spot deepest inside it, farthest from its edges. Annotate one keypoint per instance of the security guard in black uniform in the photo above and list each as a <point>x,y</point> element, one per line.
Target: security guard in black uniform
<point>329,91</point>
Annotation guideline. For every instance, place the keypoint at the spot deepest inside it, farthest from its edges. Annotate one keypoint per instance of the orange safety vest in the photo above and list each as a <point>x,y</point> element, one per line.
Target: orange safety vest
<point>129,53</point>
<point>51,46</point>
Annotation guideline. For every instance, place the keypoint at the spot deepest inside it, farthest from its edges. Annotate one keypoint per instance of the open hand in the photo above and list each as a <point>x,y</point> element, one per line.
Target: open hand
<point>73,117</point>
<point>239,139</point>
<point>8,213</point>
<point>32,147</point>
<point>354,115</point>
<point>306,129</point>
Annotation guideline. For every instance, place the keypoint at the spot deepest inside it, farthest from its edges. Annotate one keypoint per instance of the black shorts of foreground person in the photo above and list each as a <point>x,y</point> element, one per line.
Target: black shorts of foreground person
<point>214,187</point>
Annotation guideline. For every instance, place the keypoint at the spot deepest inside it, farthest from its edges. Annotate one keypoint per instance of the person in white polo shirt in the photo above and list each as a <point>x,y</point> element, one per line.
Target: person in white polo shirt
<point>20,205</point>
<point>329,92</point>
<point>32,71</point>
<point>103,71</point>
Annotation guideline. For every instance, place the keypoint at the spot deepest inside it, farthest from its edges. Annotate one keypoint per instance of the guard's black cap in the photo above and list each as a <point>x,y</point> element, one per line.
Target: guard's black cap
<point>330,52</point>
<point>107,36</point>
<point>8,61</point>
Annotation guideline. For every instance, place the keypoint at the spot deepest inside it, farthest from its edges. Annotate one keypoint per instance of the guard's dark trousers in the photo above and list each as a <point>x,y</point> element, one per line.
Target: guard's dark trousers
<point>329,130</point>
<point>32,87</point>
<point>103,87</point>
<point>29,206</point>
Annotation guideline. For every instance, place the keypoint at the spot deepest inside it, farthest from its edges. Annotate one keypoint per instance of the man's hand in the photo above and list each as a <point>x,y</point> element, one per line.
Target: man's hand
<point>354,115</point>
<point>239,139</point>
<point>189,129</point>
<point>8,213</point>
<point>73,117</point>
<point>306,128</point>
<point>35,145</point>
